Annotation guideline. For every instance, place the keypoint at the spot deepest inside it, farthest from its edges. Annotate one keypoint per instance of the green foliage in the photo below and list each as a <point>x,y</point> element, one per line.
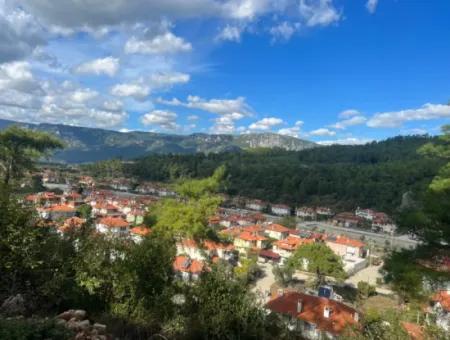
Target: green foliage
<point>222,308</point>
<point>189,215</point>
<point>321,260</point>
<point>283,274</point>
<point>32,329</point>
<point>365,290</point>
<point>374,175</point>
<point>105,169</point>
<point>84,211</point>
<point>20,147</point>
<point>289,222</point>
<point>248,269</point>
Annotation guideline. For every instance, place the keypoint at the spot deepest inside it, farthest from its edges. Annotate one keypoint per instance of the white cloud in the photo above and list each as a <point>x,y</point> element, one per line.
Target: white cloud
<point>284,30</point>
<point>346,141</point>
<point>83,95</point>
<point>164,119</point>
<point>108,66</point>
<point>192,117</point>
<point>230,33</point>
<point>322,132</point>
<point>398,118</point>
<point>293,131</point>
<point>136,90</point>
<point>161,80</point>
<point>217,106</point>
<point>371,5</point>
<point>343,124</point>
<point>318,12</point>
<point>349,113</point>
<point>266,124</point>
<point>20,32</point>
<point>166,43</point>
<point>17,75</point>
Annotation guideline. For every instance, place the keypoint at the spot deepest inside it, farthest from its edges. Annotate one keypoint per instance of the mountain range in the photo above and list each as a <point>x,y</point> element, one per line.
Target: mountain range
<point>91,144</point>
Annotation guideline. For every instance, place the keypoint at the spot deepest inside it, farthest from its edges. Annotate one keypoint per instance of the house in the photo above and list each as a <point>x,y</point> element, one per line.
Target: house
<point>276,231</point>
<point>306,213</point>
<point>346,247</point>
<point>313,317</point>
<point>257,205</point>
<point>72,223</point>
<point>87,181</point>
<point>286,247</point>
<point>187,269</point>
<point>74,199</point>
<point>135,216</point>
<point>57,212</point>
<point>382,222</point>
<point>246,240</point>
<point>441,309</point>
<point>112,225</point>
<point>138,233</point>
<point>208,250</point>
<point>280,209</point>
<point>324,212</point>
<point>348,220</point>
<point>367,214</point>
<point>105,209</point>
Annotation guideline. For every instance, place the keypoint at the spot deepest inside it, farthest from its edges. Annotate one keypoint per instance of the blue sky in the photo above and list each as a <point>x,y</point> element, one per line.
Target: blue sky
<point>331,71</point>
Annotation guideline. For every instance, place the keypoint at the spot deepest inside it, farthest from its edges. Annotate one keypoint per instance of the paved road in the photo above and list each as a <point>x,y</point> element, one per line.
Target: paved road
<point>396,241</point>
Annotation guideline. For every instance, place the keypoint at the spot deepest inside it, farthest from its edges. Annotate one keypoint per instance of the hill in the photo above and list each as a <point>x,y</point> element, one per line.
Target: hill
<point>91,145</point>
<point>375,175</point>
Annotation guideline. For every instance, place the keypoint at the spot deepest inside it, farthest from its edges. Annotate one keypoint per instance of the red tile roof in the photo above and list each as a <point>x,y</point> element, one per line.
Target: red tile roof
<point>61,208</point>
<point>313,311</point>
<point>443,297</point>
<point>141,231</point>
<point>292,242</point>
<point>247,236</point>
<point>347,241</point>
<point>277,227</point>
<point>187,265</point>
<point>114,222</point>
<point>414,331</point>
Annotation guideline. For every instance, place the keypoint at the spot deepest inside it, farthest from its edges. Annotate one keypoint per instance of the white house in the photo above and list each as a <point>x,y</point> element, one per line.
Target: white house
<point>306,213</point>
<point>255,205</point>
<point>276,231</point>
<point>280,210</point>
<point>112,225</point>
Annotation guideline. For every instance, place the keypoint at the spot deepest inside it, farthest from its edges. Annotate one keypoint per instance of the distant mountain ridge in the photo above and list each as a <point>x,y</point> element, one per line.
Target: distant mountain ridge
<point>92,144</point>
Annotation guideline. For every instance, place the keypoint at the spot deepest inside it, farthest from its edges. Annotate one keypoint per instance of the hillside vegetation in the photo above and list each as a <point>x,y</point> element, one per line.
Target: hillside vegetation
<point>374,175</point>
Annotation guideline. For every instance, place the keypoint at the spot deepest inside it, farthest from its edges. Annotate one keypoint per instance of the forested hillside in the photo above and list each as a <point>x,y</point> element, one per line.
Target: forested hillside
<point>374,175</point>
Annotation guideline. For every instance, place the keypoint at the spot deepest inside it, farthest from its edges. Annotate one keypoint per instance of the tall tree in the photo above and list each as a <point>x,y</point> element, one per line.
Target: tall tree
<point>19,148</point>
<point>318,258</point>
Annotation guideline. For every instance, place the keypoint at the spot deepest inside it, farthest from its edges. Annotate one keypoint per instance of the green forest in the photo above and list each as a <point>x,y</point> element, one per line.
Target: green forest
<point>375,175</point>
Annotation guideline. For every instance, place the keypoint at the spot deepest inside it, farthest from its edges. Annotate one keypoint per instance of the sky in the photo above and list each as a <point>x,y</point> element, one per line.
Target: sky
<point>330,71</point>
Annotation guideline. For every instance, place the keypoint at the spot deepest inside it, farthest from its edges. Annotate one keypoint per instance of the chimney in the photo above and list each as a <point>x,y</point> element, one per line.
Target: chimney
<point>356,316</point>
<point>299,306</point>
<point>326,312</point>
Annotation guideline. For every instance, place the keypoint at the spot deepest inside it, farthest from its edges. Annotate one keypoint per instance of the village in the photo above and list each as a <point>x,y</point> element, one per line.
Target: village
<point>253,237</point>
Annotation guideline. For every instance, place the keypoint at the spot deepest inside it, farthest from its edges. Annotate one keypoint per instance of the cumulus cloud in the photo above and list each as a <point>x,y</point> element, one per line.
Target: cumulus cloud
<point>161,118</point>
<point>166,43</point>
<point>192,117</point>
<point>83,95</point>
<point>20,32</point>
<point>343,124</point>
<point>318,12</point>
<point>284,30</point>
<point>322,132</point>
<point>396,119</point>
<point>371,5</point>
<point>136,90</point>
<point>293,131</point>
<point>266,124</point>
<point>230,33</point>
<point>108,66</point>
<point>17,75</point>
<point>346,141</point>
<point>349,113</point>
<point>218,106</point>
<point>142,87</point>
